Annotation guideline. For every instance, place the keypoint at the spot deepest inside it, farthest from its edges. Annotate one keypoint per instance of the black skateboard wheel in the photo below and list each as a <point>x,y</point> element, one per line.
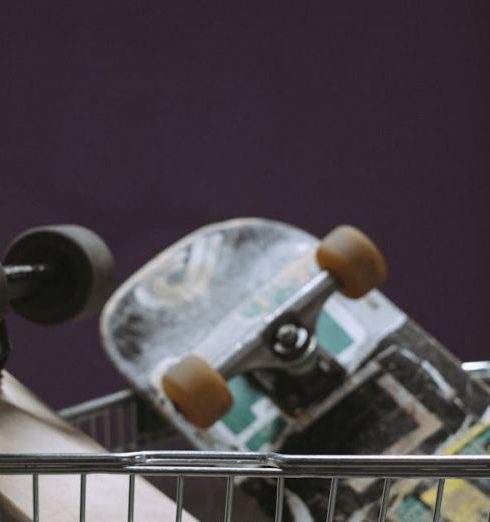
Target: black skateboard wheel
<point>198,391</point>
<point>353,260</point>
<point>82,272</point>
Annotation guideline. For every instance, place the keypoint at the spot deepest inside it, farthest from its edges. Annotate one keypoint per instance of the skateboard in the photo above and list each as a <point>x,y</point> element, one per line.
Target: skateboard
<point>254,335</point>
<point>51,275</point>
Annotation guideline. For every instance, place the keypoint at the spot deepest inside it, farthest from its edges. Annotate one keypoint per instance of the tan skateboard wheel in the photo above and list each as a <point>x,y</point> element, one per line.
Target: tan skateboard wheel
<point>198,391</point>
<point>353,260</point>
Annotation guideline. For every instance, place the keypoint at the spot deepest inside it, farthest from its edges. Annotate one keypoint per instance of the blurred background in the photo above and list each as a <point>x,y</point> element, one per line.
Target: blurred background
<point>145,120</point>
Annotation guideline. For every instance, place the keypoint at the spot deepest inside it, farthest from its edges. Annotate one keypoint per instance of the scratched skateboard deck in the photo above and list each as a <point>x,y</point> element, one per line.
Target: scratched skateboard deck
<point>396,391</point>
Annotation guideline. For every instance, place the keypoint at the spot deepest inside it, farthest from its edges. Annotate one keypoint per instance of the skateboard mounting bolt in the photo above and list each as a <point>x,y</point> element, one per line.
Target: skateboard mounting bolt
<point>291,341</point>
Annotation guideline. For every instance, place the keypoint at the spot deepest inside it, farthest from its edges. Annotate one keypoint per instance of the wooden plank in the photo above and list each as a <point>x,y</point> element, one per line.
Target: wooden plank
<point>27,425</point>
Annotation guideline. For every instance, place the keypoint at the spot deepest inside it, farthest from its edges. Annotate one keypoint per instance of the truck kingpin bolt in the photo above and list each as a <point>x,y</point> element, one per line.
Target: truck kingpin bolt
<point>291,341</point>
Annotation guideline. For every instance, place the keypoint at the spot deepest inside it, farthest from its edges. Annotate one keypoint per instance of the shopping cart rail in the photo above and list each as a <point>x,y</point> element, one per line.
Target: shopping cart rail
<point>119,421</point>
<point>238,464</point>
<point>273,465</point>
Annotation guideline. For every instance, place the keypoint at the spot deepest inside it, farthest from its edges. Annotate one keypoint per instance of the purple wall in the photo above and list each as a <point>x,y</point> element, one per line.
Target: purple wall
<point>145,120</point>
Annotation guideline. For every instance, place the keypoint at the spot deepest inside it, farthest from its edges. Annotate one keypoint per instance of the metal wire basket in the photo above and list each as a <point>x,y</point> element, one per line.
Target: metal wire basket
<point>124,425</point>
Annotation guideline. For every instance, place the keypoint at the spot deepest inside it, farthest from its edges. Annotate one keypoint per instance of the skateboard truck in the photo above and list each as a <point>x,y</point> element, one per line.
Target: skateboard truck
<point>349,263</point>
<point>53,274</point>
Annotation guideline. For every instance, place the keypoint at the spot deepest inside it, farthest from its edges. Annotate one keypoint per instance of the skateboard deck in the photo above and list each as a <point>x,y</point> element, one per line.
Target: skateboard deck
<point>28,426</point>
<point>395,389</point>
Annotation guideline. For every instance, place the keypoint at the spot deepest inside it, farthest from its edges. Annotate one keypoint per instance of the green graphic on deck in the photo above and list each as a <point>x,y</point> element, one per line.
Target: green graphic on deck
<point>413,511</point>
<point>331,336</point>
<point>242,416</point>
<point>244,397</point>
<point>267,434</point>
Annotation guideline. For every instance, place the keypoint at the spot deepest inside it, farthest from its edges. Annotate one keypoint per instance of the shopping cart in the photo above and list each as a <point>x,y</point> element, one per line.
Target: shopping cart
<point>128,428</point>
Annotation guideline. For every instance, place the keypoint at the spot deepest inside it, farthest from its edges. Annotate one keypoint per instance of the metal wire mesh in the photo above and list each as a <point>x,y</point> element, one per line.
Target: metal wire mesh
<point>232,465</point>
<point>116,422</point>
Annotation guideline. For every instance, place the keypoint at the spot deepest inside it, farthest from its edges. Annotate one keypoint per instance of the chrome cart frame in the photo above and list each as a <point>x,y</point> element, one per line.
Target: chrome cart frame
<point>112,420</point>
<point>236,464</point>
